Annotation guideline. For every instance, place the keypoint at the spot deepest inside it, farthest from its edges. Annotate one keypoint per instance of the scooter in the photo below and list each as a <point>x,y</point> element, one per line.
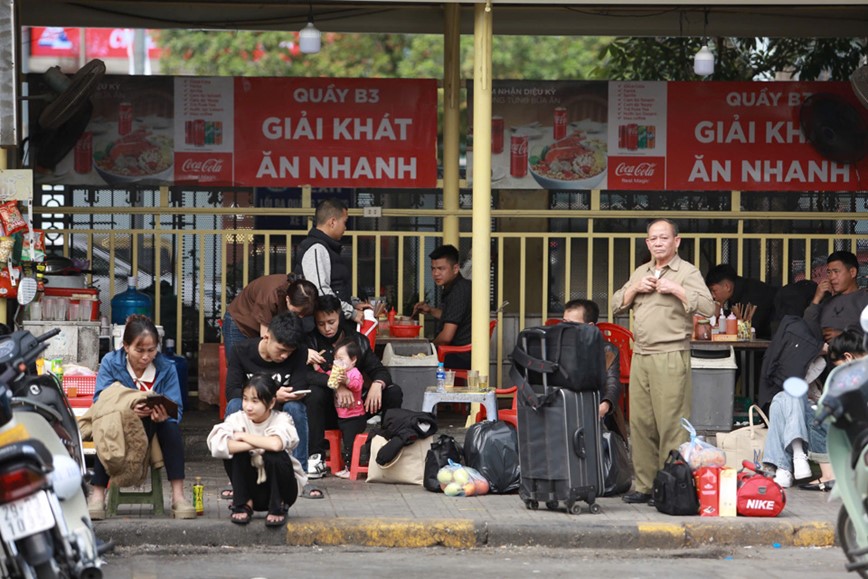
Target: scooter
<point>45,528</point>
<point>844,404</point>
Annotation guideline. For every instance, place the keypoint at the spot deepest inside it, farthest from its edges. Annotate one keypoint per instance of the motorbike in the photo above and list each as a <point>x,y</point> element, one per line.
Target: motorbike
<point>45,528</point>
<point>844,404</point>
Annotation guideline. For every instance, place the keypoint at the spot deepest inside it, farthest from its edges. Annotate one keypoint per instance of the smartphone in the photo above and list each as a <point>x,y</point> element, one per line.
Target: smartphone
<point>300,392</point>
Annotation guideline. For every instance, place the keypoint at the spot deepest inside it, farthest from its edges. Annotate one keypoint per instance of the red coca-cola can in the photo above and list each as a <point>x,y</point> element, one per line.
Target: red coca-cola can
<point>560,123</point>
<point>218,132</point>
<point>125,118</point>
<point>188,132</point>
<point>84,153</point>
<point>518,156</point>
<point>651,136</point>
<point>496,135</point>
<point>199,132</point>
<point>632,137</point>
<point>622,136</point>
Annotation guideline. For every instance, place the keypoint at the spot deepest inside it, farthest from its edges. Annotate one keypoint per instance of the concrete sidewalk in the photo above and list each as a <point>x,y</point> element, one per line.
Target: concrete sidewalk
<point>358,513</point>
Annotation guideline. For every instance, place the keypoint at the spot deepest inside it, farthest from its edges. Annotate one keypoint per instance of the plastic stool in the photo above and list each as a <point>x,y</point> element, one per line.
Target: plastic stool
<point>335,461</point>
<point>154,497</point>
<point>356,468</point>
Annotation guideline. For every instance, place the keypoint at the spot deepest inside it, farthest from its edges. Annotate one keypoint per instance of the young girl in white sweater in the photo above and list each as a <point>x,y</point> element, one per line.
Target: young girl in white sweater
<point>255,445</point>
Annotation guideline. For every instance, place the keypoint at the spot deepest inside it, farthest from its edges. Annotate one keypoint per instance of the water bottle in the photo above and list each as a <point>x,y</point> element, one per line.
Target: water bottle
<point>130,302</point>
<point>441,377</point>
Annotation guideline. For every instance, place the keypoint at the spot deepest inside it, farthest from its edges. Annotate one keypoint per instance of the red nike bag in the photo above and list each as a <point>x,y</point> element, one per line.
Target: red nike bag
<point>759,495</point>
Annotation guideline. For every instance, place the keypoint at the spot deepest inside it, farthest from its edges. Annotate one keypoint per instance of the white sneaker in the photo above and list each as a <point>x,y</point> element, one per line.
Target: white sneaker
<point>316,468</point>
<point>375,419</point>
<point>784,478</point>
<point>801,468</point>
<point>345,473</point>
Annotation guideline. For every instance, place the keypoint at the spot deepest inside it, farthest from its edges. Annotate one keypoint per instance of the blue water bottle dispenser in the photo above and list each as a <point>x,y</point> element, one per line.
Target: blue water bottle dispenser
<point>130,302</point>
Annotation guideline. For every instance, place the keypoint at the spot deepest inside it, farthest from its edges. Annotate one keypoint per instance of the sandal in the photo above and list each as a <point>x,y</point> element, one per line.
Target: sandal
<point>244,509</point>
<point>183,509</point>
<point>227,494</point>
<point>277,522</point>
<point>96,509</point>
<point>311,492</point>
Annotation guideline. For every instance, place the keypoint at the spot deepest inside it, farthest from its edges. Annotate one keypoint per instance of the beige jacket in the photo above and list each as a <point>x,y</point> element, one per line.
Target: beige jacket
<point>119,436</point>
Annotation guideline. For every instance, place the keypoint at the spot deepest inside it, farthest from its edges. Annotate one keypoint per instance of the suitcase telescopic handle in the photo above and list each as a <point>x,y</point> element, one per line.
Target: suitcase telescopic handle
<point>579,442</point>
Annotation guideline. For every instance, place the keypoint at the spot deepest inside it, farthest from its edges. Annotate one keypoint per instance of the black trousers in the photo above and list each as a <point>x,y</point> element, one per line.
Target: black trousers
<point>350,427</point>
<point>171,444</point>
<point>279,487</point>
<point>321,413</point>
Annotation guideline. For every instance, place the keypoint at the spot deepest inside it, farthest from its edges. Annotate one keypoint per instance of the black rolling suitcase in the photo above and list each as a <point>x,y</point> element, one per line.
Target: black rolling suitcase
<point>559,436</point>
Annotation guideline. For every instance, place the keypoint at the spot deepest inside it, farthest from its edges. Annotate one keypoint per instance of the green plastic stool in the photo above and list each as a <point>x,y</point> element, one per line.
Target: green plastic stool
<point>154,497</point>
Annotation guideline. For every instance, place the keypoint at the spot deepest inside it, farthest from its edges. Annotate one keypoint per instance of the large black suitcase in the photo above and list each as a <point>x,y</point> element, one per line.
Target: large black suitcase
<point>573,357</point>
<point>559,442</point>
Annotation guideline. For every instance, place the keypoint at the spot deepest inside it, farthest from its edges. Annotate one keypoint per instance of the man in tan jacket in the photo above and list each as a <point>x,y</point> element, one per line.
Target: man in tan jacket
<point>664,294</point>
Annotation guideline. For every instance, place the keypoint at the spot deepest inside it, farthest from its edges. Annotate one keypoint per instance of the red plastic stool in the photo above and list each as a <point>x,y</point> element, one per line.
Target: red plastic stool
<point>356,468</point>
<point>335,461</point>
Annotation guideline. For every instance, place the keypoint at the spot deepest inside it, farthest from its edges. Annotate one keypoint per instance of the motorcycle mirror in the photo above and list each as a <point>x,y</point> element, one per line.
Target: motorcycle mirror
<point>795,387</point>
<point>26,290</point>
<point>863,319</point>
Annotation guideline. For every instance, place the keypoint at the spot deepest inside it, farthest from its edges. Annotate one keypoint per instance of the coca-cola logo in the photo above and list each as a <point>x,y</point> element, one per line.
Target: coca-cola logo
<point>637,170</point>
<point>518,146</point>
<point>202,166</point>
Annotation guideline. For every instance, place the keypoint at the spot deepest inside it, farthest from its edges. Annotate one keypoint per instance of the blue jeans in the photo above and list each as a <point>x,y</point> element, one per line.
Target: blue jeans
<point>787,423</point>
<point>298,411</point>
<point>817,440</point>
<point>231,335</point>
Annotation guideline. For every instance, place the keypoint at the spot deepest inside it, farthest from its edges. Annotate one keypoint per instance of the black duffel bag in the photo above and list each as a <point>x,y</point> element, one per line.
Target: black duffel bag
<point>567,355</point>
<point>442,451</point>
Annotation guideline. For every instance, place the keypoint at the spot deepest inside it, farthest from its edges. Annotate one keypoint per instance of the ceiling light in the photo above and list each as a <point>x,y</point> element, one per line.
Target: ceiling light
<point>309,38</point>
<point>703,62</point>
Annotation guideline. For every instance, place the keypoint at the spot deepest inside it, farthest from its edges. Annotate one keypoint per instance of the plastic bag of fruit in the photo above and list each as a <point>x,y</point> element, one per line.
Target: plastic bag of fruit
<point>461,481</point>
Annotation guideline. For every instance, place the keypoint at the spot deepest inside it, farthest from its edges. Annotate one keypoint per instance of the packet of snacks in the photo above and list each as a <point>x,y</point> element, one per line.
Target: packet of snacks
<point>37,252</point>
<point>11,219</point>
<point>337,377</point>
<point>699,453</point>
<point>6,246</point>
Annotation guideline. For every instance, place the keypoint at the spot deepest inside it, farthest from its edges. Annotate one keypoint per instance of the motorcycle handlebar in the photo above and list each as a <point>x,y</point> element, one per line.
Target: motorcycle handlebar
<point>48,335</point>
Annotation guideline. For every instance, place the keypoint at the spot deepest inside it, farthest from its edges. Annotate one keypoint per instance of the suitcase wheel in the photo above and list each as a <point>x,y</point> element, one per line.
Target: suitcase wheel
<point>552,505</point>
<point>531,504</point>
<point>574,508</point>
<point>595,508</point>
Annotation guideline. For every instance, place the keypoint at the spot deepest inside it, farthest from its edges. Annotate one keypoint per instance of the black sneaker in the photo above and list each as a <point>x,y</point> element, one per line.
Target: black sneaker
<point>636,497</point>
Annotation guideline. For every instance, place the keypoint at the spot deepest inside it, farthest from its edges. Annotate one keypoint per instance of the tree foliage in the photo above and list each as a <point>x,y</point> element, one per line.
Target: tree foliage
<point>735,58</point>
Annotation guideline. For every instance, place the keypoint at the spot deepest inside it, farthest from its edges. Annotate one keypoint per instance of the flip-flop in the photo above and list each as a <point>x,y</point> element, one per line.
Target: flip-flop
<point>227,494</point>
<point>279,522</point>
<point>309,490</point>
<point>245,509</point>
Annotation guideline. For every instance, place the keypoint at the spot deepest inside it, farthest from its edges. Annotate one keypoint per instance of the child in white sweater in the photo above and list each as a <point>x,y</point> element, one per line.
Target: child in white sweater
<point>255,445</point>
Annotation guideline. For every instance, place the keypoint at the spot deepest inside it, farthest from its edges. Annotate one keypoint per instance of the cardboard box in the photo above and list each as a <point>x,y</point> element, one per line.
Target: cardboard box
<point>728,492</point>
<point>708,487</point>
<point>724,337</point>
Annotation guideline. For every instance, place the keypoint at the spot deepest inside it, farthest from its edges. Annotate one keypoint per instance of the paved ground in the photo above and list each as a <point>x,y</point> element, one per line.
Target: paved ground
<point>356,512</point>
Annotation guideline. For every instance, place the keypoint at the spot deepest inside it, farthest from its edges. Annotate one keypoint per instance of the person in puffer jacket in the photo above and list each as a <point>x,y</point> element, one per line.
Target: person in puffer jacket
<point>138,365</point>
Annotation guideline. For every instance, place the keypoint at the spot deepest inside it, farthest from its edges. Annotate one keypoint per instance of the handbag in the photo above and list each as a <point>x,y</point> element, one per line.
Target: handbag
<point>617,466</point>
<point>759,495</point>
<point>442,450</point>
<point>674,489</point>
<point>408,467</point>
<point>745,443</point>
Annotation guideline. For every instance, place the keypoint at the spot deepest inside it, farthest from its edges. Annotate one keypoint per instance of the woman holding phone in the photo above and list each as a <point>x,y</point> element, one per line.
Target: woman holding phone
<point>138,365</point>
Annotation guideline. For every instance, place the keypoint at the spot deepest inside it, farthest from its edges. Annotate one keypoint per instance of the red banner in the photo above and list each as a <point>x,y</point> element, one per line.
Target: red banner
<point>335,132</point>
<point>99,42</point>
<point>748,136</point>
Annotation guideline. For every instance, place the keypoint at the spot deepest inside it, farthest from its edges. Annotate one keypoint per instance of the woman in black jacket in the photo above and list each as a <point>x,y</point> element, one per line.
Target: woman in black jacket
<point>378,393</point>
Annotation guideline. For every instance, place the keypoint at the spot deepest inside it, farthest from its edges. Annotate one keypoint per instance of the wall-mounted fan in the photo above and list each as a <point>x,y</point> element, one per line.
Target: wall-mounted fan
<point>64,111</point>
<point>859,82</point>
<point>834,127</point>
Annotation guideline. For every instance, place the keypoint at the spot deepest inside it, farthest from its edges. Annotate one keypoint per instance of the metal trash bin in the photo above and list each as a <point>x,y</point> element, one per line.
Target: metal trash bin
<point>713,376</point>
<point>412,365</point>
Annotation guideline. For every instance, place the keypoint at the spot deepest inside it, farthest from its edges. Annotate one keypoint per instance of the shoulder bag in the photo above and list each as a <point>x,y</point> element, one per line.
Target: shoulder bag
<point>407,468</point>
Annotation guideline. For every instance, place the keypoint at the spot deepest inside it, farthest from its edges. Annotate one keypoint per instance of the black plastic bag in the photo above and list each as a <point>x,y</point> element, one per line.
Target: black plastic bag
<point>442,450</point>
<point>617,468</point>
<point>492,449</point>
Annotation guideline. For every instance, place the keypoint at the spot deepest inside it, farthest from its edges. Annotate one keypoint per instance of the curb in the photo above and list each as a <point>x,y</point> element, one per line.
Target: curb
<point>466,533</point>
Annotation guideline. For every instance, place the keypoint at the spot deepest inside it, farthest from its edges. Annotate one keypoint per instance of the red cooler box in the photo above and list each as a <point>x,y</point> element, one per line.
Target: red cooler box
<point>78,296</point>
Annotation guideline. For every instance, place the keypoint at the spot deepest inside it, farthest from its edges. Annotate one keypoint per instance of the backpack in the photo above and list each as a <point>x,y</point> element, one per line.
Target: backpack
<point>442,451</point>
<point>674,488</point>
<point>569,355</point>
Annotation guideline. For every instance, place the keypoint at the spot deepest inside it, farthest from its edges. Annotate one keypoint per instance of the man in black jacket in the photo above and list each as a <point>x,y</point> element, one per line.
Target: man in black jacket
<point>728,288</point>
<point>378,393</point>
<point>318,256</point>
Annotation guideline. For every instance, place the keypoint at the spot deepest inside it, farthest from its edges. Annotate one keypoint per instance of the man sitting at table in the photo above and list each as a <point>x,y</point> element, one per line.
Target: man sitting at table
<point>453,319</point>
<point>728,289</point>
<point>378,392</point>
<point>838,302</point>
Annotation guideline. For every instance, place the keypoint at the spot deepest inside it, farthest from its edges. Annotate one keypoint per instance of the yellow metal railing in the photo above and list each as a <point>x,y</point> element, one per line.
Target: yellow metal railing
<point>592,262</point>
